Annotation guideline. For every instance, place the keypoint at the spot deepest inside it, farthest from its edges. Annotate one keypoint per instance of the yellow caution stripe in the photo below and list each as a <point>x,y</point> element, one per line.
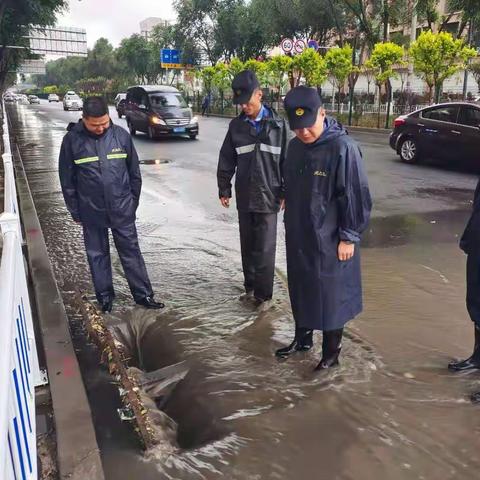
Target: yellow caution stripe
<point>117,155</point>
<point>79,161</point>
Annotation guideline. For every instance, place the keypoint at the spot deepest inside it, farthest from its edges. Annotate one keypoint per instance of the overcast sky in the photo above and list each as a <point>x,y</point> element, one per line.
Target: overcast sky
<point>113,19</point>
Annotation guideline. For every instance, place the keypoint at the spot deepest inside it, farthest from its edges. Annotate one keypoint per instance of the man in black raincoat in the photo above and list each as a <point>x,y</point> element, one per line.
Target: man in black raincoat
<point>470,244</point>
<point>254,150</point>
<point>327,206</point>
<point>101,183</point>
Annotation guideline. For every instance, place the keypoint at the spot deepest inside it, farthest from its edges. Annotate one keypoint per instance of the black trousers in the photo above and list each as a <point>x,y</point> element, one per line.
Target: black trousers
<point>98,252</point>
<point>473,287</point>
<point>258,241</point>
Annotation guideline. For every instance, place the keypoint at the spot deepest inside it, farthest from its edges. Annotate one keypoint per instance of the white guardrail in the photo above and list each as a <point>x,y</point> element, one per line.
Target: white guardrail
<point>19,370</point>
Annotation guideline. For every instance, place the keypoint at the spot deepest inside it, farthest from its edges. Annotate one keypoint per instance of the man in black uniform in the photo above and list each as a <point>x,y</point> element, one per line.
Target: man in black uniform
<point>470,244</point>
<point>327,206</point>
<point>254,149</point>
<point>101,183</point>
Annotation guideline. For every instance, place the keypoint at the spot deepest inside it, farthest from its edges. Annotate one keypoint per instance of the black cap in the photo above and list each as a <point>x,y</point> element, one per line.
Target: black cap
<point>243,85</point>
<point>302,104</point>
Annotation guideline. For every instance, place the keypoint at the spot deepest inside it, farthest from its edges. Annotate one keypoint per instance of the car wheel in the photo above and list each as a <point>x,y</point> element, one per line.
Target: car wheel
<point>192,137</point>
<point>151,133</point>
<point>409,151</point>
<point>131,129</point>
<point>65,109</point>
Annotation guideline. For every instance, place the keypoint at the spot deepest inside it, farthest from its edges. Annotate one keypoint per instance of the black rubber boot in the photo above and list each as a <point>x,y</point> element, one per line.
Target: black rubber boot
<point>471,362</point>
<point>331,347</point>
<point>106,304</point>
<point>302,342</point>
<point>475,397</point>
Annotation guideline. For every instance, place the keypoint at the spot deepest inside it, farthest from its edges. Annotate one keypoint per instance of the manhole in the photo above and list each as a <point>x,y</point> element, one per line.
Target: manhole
<point>155,161</point>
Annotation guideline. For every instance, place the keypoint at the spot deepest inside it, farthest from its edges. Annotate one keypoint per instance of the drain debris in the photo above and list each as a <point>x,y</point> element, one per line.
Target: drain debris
<point>155,161</point>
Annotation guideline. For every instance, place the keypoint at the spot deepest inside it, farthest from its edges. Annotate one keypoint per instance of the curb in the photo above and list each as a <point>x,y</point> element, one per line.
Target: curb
<point>78,455</point>
<point>382,131</point>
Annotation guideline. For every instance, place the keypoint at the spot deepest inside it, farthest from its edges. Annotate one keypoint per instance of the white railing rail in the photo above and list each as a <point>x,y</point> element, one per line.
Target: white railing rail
<point>19,370</point>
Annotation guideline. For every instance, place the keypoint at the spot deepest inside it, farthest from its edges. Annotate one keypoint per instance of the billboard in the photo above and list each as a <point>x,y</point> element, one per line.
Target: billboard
<point>64,41</point>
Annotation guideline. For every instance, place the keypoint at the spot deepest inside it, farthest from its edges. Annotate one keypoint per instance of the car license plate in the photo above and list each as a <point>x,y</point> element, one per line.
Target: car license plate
<point>179,130</point>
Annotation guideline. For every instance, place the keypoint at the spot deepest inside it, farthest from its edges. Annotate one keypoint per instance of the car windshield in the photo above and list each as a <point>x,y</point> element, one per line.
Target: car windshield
<point>73,97</point>
<point>166,100</point>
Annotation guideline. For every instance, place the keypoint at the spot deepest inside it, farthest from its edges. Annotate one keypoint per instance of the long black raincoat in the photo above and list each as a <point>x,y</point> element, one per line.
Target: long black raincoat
<point>327,200</point>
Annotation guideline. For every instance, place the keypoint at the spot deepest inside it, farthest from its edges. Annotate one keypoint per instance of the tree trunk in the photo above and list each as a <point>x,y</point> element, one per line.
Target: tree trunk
<point>389,102</point>
<point>379,104</point>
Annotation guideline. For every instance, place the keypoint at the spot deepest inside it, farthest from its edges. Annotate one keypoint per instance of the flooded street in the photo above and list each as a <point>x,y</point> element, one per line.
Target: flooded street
<point>390,411</point>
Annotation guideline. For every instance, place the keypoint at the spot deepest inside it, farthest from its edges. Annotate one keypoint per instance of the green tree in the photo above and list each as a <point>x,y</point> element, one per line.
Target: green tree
<point>438,56</point>
<point>338,62</point>
<point>470,12</point>
<point>101,60</point>
<point>279,66</point>
<point>384,58</point>
<point>207,75</point>
<point>17,17</point>
<point>474,69</point>
<point>309,65</point>
<point>50,89</point>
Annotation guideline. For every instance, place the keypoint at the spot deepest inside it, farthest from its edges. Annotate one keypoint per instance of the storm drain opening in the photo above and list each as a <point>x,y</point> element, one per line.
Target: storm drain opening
<point>160,394</point>
<point>155,161</point>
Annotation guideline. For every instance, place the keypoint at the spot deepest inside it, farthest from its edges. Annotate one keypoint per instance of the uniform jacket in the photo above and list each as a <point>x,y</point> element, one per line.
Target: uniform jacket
<point>257,160</point>
<point>470,241</point>
<point>100,176</point>
<point>327,200</point>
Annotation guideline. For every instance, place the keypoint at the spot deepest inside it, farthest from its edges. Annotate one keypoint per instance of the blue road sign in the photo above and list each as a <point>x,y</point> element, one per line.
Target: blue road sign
<point>171,58</point>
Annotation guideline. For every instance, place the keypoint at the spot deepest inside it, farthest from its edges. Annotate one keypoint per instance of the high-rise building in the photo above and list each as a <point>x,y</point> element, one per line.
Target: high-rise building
<point>147,25</point>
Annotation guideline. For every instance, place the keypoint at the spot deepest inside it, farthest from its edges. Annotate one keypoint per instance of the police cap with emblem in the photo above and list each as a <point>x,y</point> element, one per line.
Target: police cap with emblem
<point>243,85</point>
<point>302,104</point>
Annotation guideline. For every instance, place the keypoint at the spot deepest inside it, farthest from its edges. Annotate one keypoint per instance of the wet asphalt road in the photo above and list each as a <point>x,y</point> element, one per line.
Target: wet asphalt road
<point>391,411</point>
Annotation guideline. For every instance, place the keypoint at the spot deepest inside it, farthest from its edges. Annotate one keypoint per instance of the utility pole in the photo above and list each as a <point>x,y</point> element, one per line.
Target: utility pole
<point>465,78</point>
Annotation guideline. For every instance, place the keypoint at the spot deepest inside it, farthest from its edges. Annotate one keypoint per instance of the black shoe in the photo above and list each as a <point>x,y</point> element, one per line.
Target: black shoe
<point>107,305</point>
<point>150,303</point>
<point>475,397</point>
<point>471,362</point>
<point>331,348</point>
<point>302,342</point>
<point>246,296</point>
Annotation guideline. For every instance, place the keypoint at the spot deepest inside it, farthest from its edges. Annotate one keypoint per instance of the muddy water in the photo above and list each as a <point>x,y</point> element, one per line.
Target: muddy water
<point>390,411</point>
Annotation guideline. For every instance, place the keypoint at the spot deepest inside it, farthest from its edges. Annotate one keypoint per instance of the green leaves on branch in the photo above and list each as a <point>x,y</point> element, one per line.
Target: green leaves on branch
<point>438,56</point>
<point>384,58</point>
<point>311,66</point>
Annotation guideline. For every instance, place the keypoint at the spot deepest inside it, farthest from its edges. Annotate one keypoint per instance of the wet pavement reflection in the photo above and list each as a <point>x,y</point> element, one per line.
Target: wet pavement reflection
<point>390,411</point>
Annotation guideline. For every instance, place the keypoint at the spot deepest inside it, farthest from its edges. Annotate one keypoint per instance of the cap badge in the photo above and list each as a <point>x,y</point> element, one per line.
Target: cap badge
<point>238,92</point>
<point>299,112</point>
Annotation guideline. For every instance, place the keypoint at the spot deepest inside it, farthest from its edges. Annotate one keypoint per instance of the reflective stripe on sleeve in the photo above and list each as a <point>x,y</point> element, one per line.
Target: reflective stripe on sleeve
<point>270,149</point>
<point>117,155</point>
<point>79,161</point>
<point>245,149</point>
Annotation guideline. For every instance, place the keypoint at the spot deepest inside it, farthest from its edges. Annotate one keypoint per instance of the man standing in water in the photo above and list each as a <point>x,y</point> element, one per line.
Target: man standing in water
<point>327,206</point>
<point>254,150</point>
<point>101,183</point>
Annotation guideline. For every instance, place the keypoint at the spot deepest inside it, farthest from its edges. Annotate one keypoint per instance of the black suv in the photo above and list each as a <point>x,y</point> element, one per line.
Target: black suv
<point>448,131</point>
<point>159,110</point>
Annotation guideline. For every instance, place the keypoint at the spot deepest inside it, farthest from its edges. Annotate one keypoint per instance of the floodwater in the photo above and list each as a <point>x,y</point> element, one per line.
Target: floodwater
<point>390,411</point>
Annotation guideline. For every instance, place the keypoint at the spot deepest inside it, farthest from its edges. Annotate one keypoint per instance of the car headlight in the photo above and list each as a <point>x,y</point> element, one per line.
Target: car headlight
<point>157,121</point>
<point>194,120</point>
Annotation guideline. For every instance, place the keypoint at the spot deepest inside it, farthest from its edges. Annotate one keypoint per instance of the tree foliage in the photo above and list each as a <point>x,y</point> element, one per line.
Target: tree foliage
<point>437,57</point>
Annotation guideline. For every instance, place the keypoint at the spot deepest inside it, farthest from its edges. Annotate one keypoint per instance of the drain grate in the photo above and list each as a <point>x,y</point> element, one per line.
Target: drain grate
<point>155,161</point>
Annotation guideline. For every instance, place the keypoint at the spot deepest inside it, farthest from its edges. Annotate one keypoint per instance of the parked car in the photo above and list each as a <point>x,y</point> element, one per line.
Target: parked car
<point>120,104</point>
<point>33,99</point>
<point>9,98</point>
<point>159,111</point>
<point>448,131</point>
<point>53,97</point>
<point>71,101</point>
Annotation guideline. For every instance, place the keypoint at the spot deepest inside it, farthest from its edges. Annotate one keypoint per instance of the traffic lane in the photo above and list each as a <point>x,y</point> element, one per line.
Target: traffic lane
<point>397,188</point>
